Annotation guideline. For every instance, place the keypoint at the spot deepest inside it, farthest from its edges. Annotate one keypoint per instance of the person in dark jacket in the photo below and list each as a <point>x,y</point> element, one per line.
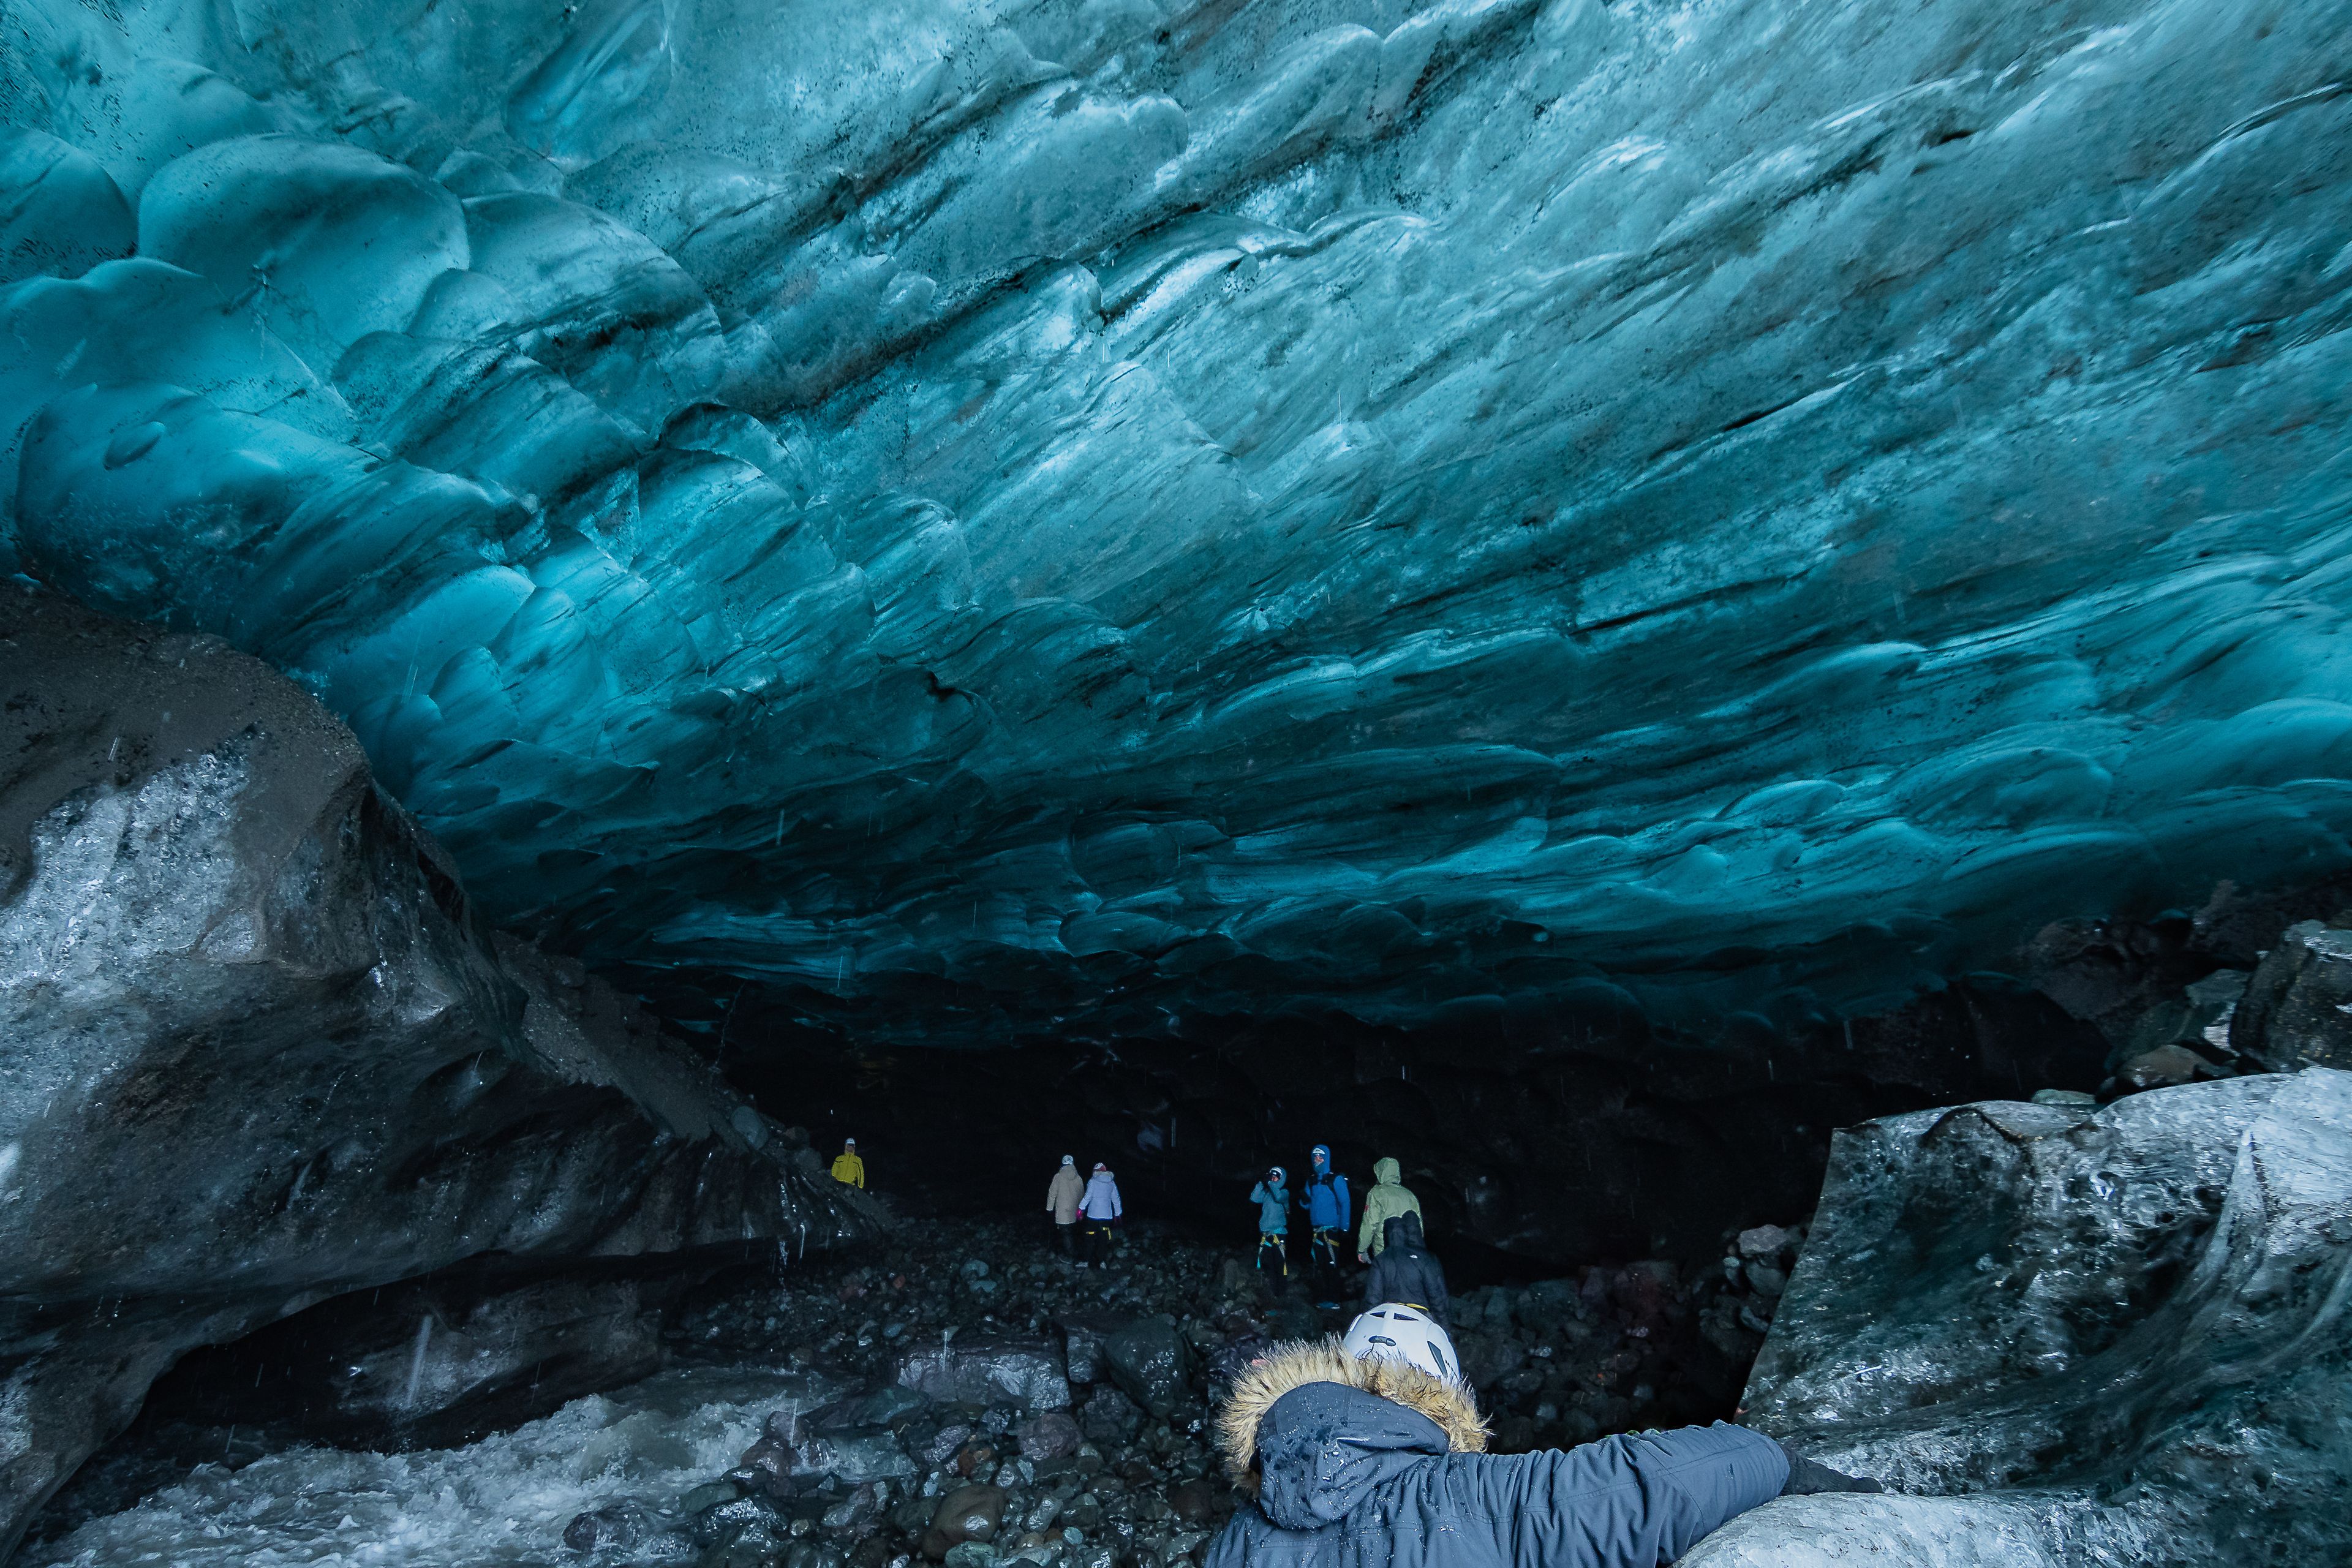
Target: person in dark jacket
<point>1407,1272</point>
<point>1375,1462</point>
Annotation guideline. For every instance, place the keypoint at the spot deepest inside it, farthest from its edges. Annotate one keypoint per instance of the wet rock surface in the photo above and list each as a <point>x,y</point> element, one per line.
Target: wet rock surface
<point>257,1053</point>
<point>2073,1335</point>
<point>2293,1011</point>
<point>915,1435</point>
<point>2063,1332</point>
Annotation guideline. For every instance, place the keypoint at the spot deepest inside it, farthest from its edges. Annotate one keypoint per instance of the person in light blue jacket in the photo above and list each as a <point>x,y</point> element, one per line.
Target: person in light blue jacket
<point>1101,1209</point>
<point>1272,1196</point>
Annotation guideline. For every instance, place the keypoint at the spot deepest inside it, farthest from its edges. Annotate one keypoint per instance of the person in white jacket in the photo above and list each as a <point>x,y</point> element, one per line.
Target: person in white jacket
<point>1102,1210</point>
<point>1062,1199</point>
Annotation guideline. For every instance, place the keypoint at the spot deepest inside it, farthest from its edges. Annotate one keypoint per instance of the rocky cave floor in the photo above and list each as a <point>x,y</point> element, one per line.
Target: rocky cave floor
<point>959,1391</point>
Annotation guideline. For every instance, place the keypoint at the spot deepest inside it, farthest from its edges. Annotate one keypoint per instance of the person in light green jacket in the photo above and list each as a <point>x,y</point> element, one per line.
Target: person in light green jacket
<point>1388,1199</point>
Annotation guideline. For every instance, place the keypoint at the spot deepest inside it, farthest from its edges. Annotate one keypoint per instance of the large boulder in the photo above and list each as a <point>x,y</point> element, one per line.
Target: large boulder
<point>2297,1009</point>
<point>979,1369</point>
<point>2067,1336</point>
<point>1152,1362</point>
<point>256,1052</point>
<point>1082,1338</point>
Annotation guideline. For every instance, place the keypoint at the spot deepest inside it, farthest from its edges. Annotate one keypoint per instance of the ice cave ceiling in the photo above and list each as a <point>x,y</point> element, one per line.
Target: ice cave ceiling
<point>1000,517</point>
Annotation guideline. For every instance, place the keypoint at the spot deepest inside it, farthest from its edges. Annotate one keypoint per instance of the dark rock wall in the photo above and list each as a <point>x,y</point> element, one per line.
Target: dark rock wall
<point>256,1052</point>
<point>1577,1130</point>
<point>1554,1136</point>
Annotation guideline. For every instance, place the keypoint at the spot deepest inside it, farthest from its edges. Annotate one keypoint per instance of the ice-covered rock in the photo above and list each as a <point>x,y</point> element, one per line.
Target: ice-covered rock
<point>2071,1336</point>
<point>620,1460</point>
<point>256,1052</point>
<point>982,1369</point>
<point>1066,517</point>
<point>2297,1008</point>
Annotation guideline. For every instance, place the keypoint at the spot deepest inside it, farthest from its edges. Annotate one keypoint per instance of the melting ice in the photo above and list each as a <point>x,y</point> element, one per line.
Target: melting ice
<point>503,1500</point>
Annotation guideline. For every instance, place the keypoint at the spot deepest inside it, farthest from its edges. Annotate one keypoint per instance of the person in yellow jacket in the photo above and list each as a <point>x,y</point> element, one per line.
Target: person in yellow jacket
<point>849,1169</point>
<point>1388,1199</point>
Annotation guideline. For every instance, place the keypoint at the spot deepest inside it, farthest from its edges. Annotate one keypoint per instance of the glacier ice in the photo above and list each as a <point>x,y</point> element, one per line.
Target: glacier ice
<point>503,1500</point>
<point>2071,1337</point>
<point>996,516</point>
<point>259,1060</point>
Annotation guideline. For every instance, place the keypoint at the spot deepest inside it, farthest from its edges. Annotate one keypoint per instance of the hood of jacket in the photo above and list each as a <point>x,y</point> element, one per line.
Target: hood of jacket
<point>1309,1430</point>
<point>1388,1173</point>
<point>1320,1159</point>
<point>1402,1231</point>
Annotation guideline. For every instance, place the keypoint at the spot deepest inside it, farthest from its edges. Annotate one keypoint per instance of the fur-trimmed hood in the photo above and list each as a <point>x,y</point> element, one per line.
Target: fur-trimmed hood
<point>1310,1429</point>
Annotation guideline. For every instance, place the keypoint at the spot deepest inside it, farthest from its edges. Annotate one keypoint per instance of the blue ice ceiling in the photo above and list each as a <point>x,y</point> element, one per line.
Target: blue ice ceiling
<point>1065,515</point>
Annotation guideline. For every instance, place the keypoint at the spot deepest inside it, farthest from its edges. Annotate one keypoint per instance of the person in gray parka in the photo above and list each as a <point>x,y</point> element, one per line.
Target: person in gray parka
<point>1405,1271</point>
<point>1371,1461</point>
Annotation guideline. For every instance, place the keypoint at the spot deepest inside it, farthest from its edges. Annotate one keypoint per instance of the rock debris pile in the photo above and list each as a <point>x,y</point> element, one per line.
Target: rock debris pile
<point>969,1397</point>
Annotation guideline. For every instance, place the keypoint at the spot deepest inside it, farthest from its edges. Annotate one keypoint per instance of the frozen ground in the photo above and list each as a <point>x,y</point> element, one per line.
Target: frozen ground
<point>504,1500</point>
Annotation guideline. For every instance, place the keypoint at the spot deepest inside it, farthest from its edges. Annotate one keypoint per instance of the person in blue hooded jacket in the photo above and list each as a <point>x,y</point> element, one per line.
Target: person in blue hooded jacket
<point>1272,1196</point>
<point>1328,1210</point>
<point>1370,1453</point>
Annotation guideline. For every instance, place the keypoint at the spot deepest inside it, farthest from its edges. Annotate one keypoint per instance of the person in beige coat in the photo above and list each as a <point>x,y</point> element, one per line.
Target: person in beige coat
<point>1062,1202</point>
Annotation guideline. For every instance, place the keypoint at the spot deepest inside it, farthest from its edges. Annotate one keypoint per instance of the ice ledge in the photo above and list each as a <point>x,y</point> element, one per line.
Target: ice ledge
<point>2108,1337</point>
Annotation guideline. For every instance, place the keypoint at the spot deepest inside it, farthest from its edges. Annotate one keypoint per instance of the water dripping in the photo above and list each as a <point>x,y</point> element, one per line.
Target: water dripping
<point>416,1360</point>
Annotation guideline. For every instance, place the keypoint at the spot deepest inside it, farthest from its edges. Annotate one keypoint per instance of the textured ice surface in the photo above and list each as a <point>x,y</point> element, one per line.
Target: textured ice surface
<point>505,1500</point>
<point>1083,511</point>
<point>2118,1336</point>
<point>256,1053</point>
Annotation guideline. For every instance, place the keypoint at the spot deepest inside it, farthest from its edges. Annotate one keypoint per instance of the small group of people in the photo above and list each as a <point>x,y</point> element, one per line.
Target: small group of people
<point>1370,1449</point>
<point>1388,1237</point>
<point>1084,1211</point>
<point>1326,1203</point>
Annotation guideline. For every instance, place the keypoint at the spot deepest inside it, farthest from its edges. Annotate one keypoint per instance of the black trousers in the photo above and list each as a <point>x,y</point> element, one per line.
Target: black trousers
<point>1323,1248</point>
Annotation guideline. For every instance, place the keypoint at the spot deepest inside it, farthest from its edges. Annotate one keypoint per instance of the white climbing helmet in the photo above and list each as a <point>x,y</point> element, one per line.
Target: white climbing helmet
<point>1406,1334</point>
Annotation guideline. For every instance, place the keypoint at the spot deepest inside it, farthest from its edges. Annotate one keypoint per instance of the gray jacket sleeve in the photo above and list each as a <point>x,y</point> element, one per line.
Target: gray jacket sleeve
<point>1635,1501</point>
